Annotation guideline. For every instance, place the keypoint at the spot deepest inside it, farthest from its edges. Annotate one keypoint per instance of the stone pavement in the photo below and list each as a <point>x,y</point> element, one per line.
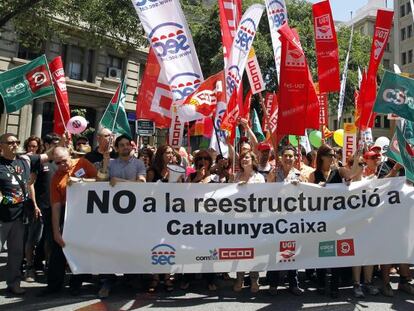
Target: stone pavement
<point>195,298</point>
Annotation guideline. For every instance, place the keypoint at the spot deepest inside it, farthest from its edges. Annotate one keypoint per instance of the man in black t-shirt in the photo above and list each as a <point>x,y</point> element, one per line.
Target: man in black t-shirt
<point>14,182</point>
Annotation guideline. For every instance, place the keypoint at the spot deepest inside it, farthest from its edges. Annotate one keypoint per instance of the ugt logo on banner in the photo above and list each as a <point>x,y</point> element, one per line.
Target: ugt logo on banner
<point>169,41</point>
<point>323,27</point>
<point>381,37</point>
<point>277,13</point>
<point>245,35</point>
<point>184,84</point>
<point>294,58</point>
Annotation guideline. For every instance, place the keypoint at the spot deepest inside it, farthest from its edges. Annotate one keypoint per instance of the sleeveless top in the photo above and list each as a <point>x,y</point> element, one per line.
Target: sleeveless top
<point>157,176</point>
<point>333,178</point>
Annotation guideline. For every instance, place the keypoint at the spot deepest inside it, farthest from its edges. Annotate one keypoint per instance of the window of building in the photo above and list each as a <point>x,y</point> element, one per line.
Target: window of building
<point>404,58</point>
<point>402,10</point>
<point>25,53</point>
<point>386,122</point>
<point>410,56</point>
<point>114,66</point>
<point>386,63</point>
<point>408,9</point>
<point>409,31</point>
<point>79,63</point>
<point>403,34</point>
<point>335,124</point>
<point>377,121</point>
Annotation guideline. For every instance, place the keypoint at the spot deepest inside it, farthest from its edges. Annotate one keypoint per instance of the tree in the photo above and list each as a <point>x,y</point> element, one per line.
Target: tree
<point>98,21</point>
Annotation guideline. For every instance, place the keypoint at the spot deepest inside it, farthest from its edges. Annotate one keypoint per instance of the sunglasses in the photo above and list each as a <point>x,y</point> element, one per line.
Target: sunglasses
<point>17,142</point>
<point>60,162</point>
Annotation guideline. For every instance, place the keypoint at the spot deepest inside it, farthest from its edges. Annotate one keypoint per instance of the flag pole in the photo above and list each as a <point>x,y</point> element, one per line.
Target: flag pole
<point>117,103</point>
<point>272,138</point>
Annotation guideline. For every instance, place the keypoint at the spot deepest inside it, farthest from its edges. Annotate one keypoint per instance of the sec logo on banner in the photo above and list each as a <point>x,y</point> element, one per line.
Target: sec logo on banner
<point>245,35</point>
<point>232,80</point>
<point>38,78</point>
<point>184,84</point>
<point>277,13</point>
<point>169,41</point>
<point>163,254</point>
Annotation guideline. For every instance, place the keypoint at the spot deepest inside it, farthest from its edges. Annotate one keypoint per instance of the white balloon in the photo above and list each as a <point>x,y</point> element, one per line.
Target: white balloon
<point>383,142</point>
<point>76,125</point>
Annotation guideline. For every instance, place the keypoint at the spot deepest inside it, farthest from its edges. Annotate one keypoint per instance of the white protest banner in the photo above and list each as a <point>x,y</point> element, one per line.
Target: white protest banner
<point>254,73</point>
<point>169,36</point>
<point>277,16</point>
<point>163,228</point>
<point>241,47</point>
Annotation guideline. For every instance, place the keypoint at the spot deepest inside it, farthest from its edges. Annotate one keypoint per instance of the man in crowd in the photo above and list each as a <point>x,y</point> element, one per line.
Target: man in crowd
<point>263,150</point>
<point>66,168</point>
<point>124,168</point>
<point>105,137</point>
<point>14,186</point>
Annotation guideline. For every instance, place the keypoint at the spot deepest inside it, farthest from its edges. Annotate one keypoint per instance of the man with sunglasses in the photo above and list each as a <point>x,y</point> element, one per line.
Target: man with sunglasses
<point>96,156</point>
<point>14,182</point>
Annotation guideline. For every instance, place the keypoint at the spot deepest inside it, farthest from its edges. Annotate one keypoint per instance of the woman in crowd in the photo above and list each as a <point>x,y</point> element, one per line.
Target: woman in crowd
<point>248,174</point>
<point>159,172</point>
<point>202,175</point>
<point>34,229</point>
<point>285,173</point>
<point>146,155</point>
<point>327,173</point>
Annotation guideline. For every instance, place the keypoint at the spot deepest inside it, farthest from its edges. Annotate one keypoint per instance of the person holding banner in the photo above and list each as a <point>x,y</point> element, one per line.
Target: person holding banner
<point>248,174</point>
<point>202,162</point>
<point>68,170</point>
<point>285,173</point>
<point>159,172</point>
<point>327,173</point>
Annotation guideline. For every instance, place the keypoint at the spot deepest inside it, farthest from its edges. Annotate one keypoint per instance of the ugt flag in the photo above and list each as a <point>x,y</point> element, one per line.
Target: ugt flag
<point>20,85</point>
<point>61,109</point>
<point>396,95</point>
<point>115,117</point>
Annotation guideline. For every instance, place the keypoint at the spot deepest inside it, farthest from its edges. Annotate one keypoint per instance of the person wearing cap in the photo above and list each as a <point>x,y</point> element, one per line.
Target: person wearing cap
<point>81,141</point>
<point>372,158</point>
<point>264,149</point>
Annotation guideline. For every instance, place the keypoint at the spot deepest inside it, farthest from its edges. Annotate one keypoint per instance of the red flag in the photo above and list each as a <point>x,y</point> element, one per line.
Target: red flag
<point>294,84</point>
<point>382,31</point>
<point>268,104</point>
<point>273,115</point>
<point>154,97</point>
<point>312,119</point>
<point>231,116</point>
<point>230,14</point>
<point>62,100</point>
<point>245,114</point>
<point>326,47</point>
<point>203,102</point>
<point>323,108</point>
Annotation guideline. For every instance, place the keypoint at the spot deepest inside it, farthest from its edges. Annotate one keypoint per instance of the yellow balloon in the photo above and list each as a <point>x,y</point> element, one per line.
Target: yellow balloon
<point>339,137</point>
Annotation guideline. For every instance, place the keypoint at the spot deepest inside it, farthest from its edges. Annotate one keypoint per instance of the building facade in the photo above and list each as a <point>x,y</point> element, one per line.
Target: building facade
<point>404,36</point>
<point>363,21</point>
<point>92,76</point>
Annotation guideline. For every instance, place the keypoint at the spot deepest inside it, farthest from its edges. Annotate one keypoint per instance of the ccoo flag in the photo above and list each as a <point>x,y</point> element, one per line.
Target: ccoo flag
<point>115,117</point>
<point>20,85</point>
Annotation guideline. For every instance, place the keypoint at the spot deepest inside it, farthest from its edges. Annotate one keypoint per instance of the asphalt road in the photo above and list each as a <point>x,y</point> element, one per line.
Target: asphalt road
<point>195,298</point>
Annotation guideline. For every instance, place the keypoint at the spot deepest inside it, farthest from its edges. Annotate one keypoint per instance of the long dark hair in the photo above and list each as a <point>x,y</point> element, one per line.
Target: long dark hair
<point>37,140</point>
<point>158,163</point>
<point>322,151</point>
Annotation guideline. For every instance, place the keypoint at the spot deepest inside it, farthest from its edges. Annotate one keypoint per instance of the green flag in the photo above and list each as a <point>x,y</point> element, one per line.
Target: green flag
<point>115,117</point>
<point>396,95</point>
<point>407,155</point>
<point>20,85</point>
<point>393,151</point>
<point>256,127</point>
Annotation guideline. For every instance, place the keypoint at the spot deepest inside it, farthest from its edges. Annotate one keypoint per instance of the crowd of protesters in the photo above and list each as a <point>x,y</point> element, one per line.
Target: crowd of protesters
<point>33,186</point>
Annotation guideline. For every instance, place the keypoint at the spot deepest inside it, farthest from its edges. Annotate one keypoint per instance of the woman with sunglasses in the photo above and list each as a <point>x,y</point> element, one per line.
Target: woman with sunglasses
<point>248,174</point>
<point>327,173</point>
<point>202,164</point>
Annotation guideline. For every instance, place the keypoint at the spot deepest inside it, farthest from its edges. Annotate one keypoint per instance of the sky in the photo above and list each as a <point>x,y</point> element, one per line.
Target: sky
<point>341,8</point>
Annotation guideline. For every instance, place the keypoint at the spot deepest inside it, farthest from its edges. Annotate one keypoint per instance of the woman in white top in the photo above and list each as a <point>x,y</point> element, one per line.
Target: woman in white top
<point>248,174</point>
